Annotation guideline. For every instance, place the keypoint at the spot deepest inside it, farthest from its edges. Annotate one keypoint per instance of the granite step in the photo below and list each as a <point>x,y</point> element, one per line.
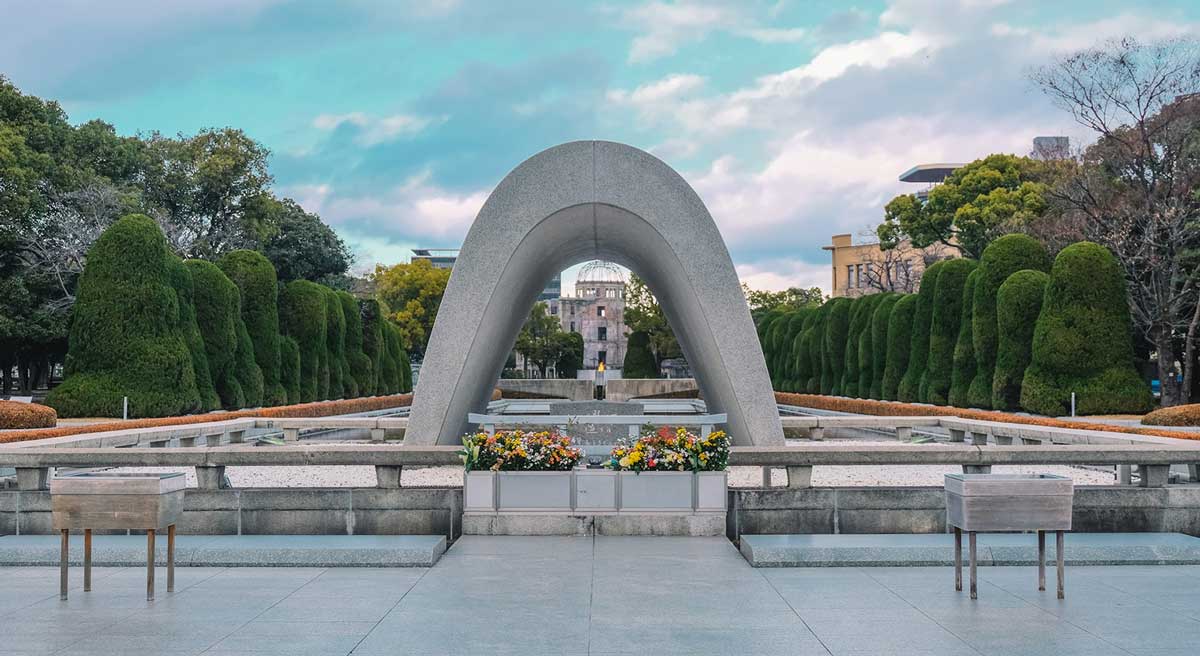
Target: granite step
<point>900,550</point>
<point>233,550</point>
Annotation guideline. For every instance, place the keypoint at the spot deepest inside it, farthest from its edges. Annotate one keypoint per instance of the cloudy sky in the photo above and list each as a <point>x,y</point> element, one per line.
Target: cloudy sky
<point>394,120</point>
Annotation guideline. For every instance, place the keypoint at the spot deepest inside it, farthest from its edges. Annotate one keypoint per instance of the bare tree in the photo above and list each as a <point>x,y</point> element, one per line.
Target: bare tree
<point>898,269</point>
<point>1134,190</point>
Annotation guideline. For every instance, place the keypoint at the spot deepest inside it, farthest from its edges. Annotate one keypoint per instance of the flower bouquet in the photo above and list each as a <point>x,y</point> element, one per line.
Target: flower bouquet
<point>671,449</point>
<point>518,450</point>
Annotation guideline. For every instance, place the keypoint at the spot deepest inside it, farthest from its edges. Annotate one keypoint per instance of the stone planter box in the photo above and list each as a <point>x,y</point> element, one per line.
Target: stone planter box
<point>594,491</point>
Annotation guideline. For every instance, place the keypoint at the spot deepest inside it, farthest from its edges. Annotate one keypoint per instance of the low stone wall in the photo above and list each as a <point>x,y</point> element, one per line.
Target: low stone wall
<point>632,388</point>
<point>280,511</point>
<point>923,510</point>
<point>572,390</point>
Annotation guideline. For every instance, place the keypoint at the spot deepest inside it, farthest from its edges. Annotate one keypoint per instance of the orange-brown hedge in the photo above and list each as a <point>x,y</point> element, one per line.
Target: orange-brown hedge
<point>896,409</point>
<point>26,415</point>
<point>1179,415</point>
<point>316,409</point>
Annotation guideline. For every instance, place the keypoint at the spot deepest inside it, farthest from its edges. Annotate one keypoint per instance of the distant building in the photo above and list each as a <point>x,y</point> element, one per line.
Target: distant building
<point>597,312</point>
<point>861,269</point>
<point>444,258</point>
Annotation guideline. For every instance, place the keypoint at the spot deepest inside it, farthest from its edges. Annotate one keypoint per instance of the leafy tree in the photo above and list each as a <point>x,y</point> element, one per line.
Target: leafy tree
<point>880,320</point>
<point>977,203</point>
<point>300,245</point>
<point>899,345</point>
<point>643,313</point>
<point>964,346</point>
<point>1004,257</point>
<point>944,327</point>
<point>639,361</point>
<point>1134,189</point>
<point>415,289</point>
<point>540,340</point>
<point>918,352</point>
<point>793,298</point>
<point>1018,304</point>
<point>126,338</point>
<point>1082,341</point>
<point>570,359</point>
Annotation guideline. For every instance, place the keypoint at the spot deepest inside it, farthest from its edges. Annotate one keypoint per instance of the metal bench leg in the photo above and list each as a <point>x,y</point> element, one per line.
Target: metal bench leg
<point>171,558</point>
<point>974,587</point>
<point>87,560</point>
<point>1041,560</point>
<point>1061,573</point>
<point>150,565</point>
<point>957,559</point>
<point>62,564</point>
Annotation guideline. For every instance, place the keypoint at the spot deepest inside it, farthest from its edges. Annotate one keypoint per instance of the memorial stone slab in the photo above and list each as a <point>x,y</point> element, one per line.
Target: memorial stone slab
<point>596,439</point>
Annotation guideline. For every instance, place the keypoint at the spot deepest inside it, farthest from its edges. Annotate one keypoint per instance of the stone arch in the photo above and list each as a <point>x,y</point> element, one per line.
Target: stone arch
<point>580,201</point>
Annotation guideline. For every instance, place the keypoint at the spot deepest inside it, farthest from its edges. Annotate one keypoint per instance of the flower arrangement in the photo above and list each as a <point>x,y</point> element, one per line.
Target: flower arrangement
<point>518,450</point>
<point>671,449</point>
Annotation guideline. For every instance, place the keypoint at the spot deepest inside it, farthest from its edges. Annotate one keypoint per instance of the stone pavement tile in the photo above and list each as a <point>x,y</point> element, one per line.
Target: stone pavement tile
<point>270,628</point>
<point>116,646</point>
<point>552,547</point>
<point>833,593</point>
<point>1133,627</point>
<point>314,610</point>
<point>778,633</point>
<point>686,597</point>
<point>456,631</point>
<point>290,645</point>
<point>863,632</point>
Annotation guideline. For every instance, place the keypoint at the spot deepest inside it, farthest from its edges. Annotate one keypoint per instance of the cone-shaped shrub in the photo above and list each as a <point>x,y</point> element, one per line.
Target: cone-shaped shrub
<point>775,338</point>
<point>256,281</point>
<point>639,361</point>
<point>833,361</point>
<point>217,306</point>
<point>125,337</point>
<point>289,368</point>
<point>899,344</point>
<point>859,318</point>
<point>865,350</point>
<point>248,373</point>
<point>399,357</point>
<point>815,343</point>
<point>302,317</point>
<point>356,360</point>
<point>964,346</point>
<point>181,280</point>
<point>405,365</point>
<point>879,342</point>
<point>335,340</point>
<point>1002,258</point>
<point>944,328</point>
<point>794,328</point>
<point>918,350</point>
<point>1018,304</point>
<point>1083,342</point>
<point>803,365</point>
<point>391,372</point>
<point>372,311</point>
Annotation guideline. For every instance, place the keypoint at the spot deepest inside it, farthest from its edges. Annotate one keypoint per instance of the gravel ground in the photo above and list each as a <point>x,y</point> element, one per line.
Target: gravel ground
<point>829,476</point>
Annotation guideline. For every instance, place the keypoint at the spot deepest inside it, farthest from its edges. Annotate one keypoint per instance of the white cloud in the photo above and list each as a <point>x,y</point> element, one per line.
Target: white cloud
<point>652,93</point>
<point>1076,36</point>
<point>374,130</point>
<point>778,275</point>
<point>665,27</point>
<point>775,34</point>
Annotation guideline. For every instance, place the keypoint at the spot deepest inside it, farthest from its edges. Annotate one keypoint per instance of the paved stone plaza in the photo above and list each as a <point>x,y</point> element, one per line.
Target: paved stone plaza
<point>607,595</point>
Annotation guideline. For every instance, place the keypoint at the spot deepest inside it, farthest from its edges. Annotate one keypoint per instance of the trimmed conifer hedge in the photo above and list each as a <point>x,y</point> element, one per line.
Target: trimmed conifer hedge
<point>879,341</point>
<point>859,320</point>
<point>289,367</point>
<point>815,347</point>
<point>944,327</point>
<point>356,359</point>
<point>335,343</point>
<point>372,311</point>
<point>1018,304</point>
<point>217,306</point>
<point>257,283</point>
<point>181,280</point>
<point>833,360</point>
<point>639,360</point>
<point>918,350</point>
<point>125,338</point>
<point>899,341</point>
<point>1082,341</point>
<point>964,347</point>
<point>302,317</point>
<point>1002,258</point>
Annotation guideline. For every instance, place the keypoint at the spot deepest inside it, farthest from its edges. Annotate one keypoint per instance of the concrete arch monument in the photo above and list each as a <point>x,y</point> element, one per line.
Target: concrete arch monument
<point>581,201</point>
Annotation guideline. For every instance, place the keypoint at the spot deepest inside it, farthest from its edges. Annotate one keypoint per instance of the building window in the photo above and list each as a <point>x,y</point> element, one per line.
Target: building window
<point>858,277</point>
<point>849,276</point>
<point>602,333</point>
<point>572,310</point>
<point>599,310</point>
<point>572,324</point>
<point>602,356</point>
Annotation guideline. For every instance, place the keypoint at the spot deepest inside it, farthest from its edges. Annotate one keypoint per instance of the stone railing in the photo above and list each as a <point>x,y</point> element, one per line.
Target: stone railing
<point>33,464</point>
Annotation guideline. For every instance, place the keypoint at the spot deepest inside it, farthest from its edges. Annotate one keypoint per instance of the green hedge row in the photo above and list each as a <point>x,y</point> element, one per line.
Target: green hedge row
<point>1008,332</point>
<point>178,337</point>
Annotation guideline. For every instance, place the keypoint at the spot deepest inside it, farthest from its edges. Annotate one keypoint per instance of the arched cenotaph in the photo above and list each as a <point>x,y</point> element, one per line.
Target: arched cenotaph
<point>580,201</point>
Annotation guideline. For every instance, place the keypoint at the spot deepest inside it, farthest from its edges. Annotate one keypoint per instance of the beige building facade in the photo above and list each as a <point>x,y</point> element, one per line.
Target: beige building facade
<point>861,269</point>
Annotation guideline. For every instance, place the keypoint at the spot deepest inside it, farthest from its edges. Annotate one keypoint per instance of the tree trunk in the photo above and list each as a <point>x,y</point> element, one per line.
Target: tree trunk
<point>1168,388</point>
<point>1189,355</point>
